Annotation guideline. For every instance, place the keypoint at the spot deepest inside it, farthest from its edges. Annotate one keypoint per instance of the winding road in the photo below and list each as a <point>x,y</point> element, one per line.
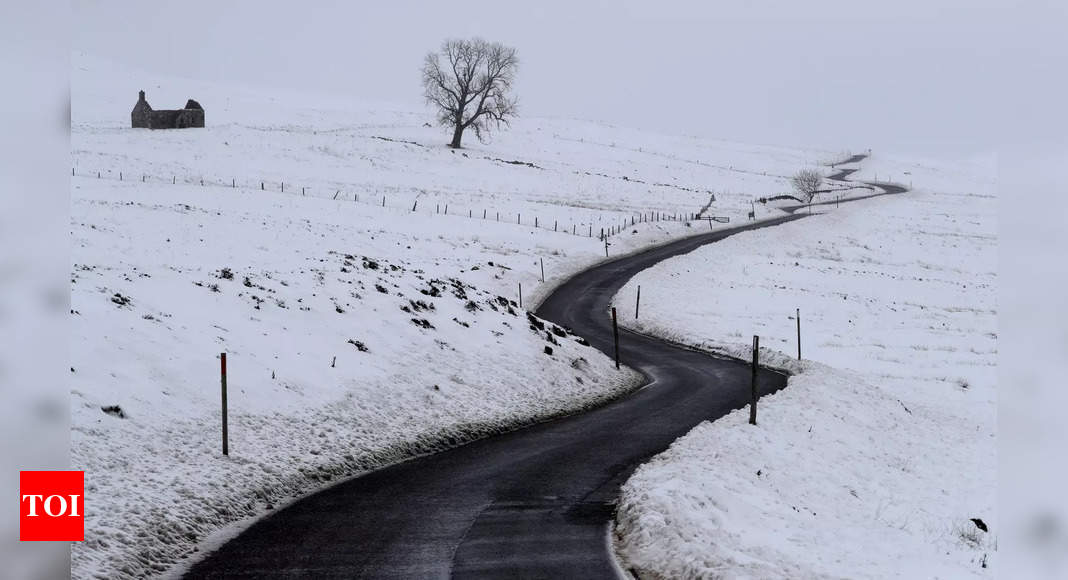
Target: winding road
<point>533,503</point>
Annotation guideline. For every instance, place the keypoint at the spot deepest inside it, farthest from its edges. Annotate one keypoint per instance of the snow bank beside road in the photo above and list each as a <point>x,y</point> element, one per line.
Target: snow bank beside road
<point>839,479</point>
<point>339,361</point>
<point>871,471</point>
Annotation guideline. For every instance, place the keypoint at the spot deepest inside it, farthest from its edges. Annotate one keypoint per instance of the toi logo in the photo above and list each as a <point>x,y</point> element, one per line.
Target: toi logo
<point>51,507</point>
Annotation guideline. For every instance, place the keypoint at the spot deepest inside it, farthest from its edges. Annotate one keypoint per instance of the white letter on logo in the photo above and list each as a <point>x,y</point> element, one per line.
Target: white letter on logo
<point>74,505</point>
<point>33,504</point>
<point>62,502</point>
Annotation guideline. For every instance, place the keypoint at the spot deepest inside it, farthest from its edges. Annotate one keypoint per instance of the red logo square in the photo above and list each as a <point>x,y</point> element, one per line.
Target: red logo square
<point>51,506</point>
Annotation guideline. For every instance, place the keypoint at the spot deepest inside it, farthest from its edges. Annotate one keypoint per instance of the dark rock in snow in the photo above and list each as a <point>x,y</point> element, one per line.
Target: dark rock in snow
<point>979,523</point>
<point>114,411</point>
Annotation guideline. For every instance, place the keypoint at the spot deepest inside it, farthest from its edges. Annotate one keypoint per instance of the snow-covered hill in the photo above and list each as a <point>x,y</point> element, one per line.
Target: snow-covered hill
<point>870,468</point>
<point>358,331</point>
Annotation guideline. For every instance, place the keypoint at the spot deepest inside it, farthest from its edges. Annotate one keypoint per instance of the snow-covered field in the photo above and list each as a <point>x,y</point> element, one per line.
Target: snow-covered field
<point>883,447</point>
<point>357,334</point>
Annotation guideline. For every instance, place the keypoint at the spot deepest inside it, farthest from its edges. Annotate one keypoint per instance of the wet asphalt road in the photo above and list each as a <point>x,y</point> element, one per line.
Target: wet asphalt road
<point>533,503</point>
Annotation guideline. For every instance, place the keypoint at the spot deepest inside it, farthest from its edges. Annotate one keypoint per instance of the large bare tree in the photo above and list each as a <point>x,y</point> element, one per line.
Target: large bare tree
<point>469,83</point>
<point>807,183</point>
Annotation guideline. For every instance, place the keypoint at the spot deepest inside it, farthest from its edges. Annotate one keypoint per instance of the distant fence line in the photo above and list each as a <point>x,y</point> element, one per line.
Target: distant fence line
<point>612,226</point>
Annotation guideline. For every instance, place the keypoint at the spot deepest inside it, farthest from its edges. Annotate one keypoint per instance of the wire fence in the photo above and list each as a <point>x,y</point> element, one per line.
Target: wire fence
<point>607,226</point>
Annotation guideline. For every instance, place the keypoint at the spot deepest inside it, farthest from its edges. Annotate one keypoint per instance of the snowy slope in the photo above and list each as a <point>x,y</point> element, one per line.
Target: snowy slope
<point>872,467</point>
<point>358,333</point>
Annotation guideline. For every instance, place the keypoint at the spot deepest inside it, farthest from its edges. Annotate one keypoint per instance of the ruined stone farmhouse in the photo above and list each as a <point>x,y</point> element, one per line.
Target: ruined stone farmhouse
<point>144,117</point>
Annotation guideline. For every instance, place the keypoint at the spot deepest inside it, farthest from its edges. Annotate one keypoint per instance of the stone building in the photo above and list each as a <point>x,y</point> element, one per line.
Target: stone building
<point>144,117</point>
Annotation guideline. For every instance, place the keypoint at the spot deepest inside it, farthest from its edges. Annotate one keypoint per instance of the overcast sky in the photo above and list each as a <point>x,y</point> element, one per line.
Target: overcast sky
<point>910,76</point>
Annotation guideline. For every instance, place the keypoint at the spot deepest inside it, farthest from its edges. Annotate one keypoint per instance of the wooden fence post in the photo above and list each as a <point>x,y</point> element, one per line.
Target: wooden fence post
<point>753,401</point>
<point>798,334</point>
<point>520,294</point>
<point>225,426</point>
<point>542,260</point>
<point>637,302</point>
<point>615,333</point>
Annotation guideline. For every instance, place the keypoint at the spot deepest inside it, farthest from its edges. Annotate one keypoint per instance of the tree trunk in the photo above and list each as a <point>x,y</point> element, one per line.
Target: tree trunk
<point>457,134</point>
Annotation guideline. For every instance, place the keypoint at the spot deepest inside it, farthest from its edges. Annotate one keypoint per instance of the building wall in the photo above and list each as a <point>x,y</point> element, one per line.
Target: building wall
<point>143,116</point>
<point>139,117</point>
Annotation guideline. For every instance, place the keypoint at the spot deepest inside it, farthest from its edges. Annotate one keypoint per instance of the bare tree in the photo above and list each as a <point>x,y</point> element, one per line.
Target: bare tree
<point>807,183</point>
<point>470,89</point>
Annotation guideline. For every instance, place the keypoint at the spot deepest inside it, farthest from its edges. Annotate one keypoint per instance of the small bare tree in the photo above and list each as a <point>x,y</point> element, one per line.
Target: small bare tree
<point>470,90</point>
<point>807,183</point>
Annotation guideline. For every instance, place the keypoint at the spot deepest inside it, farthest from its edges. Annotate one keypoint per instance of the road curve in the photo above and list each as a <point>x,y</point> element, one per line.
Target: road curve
<point>533,503</point>
<point>843,175</point>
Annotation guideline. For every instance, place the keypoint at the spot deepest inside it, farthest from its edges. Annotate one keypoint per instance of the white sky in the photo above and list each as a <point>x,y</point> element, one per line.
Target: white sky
<point>911,76</point>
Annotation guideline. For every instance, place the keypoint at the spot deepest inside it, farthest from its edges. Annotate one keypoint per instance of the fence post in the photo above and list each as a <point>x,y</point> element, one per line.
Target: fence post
<point>383,201</point>
<point>283,187</point>
<point>798,334</point>
<point>416,203</point>
<point>542,260</point>
<point>615,333</point>
<point>753,401</point>
<point>225,427</point>
<point>606,246</point>
<point>637,302</point>
<point>520,294</point>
